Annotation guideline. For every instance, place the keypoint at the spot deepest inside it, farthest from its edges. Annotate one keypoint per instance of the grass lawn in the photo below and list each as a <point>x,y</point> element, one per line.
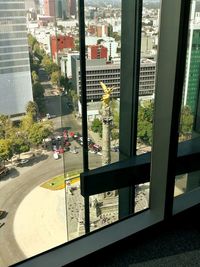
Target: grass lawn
<point>58,182</point>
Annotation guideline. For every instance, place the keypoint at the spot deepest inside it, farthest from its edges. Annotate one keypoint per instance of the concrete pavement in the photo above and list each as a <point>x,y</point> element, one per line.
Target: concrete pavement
<point>40,222</point>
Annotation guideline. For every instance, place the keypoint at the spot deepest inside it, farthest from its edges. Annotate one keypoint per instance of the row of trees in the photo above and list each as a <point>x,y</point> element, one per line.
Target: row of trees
<point>145,123</point>
<point>38,59</point>
<point>16,139</point>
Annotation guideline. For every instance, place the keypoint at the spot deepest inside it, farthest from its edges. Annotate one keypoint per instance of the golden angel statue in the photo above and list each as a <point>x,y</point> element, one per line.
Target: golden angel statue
<point>107,93</point>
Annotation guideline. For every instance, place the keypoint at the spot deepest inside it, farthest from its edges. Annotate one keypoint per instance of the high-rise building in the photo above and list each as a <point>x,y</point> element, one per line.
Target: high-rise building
<point>98,70</point>
<point>63,42</point>
<point>73,8</point>
<point>60,10</point>
<point>32,4</point>
<point>97,51</point>
<point>15,78</point>
<point>192,76</point>
<point>49,7</point>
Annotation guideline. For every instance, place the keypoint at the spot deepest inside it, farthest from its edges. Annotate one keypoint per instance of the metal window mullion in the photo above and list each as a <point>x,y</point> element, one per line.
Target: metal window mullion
<point>130,72</point>
<point>81,6</point>
<point>168,96</point>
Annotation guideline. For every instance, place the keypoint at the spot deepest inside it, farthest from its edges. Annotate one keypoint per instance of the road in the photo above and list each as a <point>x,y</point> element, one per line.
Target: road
<point>12,192</point>
<point>16,186</point>
<point>21,181</point>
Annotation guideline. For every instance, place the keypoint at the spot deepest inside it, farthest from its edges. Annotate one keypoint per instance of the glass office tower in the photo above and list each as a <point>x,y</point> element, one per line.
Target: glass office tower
<point>15,77</point>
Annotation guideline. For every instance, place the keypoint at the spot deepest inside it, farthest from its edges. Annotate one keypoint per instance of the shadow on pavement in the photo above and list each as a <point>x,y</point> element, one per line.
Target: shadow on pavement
<point>35,160</point>
<point>13,173</point>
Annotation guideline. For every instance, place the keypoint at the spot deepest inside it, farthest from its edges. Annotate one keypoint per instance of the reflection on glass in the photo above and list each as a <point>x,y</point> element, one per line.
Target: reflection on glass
<point>141,197</point>
<point>149,46</point>
<point>190,104</point>
<point>189,117</point>
<point>74,206</point>
<point>103,209</point>
<point>180,184</point>
<point>186,182</point>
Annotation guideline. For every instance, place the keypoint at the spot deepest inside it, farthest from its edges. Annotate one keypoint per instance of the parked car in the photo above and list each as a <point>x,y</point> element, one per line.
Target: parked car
<point>22,162</point>
<point>74,151</point>
<point>2,214</point>
<point>55,155</point>
<point>3,171</point>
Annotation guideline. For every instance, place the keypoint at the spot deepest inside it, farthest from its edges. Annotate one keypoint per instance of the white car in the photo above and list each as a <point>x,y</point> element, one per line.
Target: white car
<point>23,161</point>
<point>55,155</point>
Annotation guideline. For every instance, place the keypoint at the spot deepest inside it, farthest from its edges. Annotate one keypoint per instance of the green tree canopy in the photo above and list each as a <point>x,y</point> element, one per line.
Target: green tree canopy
<point>31,41</point>
<point>64,82</point>
<point>5,126</point>
<point>38,96</point>
<point>145,122</point>
<point>32,109</point>
<point>38,132</point>
<point>49,65</point>
<point>186,123</point>
<point>5,149</point>
<point>38,91</point>
<point>20,145</point>
<point>55,76</point>
<point>35,77</point>
<point>97,126</point>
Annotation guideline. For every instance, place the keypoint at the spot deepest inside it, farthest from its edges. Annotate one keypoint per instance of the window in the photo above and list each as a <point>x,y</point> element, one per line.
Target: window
<point>125,178</point>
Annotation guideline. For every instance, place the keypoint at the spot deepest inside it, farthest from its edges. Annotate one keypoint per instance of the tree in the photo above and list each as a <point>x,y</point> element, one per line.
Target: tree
<point>38,96</point>
<point>31,41</point>
<point>38,91</point>
<point>34,77</point>
<point>55,76</point>
<point>145,122</point>
<point>74,98</point>
<point>25,126</point>
<point>97,126</point>
<point>38,52</point>
<point>38,132</point>
<point>32,109</point>
<point>64,82</point>
<point>5,126</point>
<point>49,65</point>
<point>20,145</point>
<point>5,149</point>
<point>186,123</point>
<point>116,36</point>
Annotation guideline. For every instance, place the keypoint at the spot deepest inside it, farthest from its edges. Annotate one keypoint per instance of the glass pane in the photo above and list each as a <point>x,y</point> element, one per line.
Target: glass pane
<point>141,197</point>
<point>190,100</point>
<point>103,209</point>
<point>186,182</point>
<point>39,135</point>
<point>149,45</point>
<point>189,117</point>
<point>74,206</point>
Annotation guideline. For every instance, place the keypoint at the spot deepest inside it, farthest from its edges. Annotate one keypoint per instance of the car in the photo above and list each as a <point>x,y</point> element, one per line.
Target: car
<point>2,214</point>
<point>61,150</point>
<point>74,151</point>
<point>50,116</point>
<point>23,161</point>
<point>55,155</point>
